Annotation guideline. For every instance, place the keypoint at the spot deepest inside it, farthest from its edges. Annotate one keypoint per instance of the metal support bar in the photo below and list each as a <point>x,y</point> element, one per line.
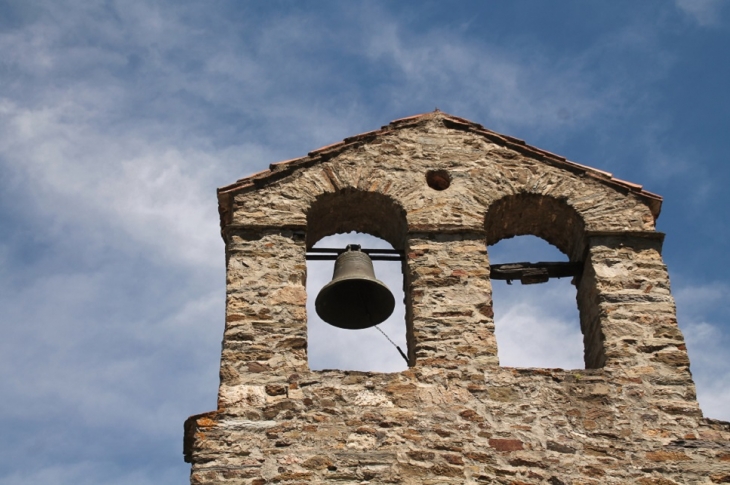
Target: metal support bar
<point>330,254</point>
<point>532,273</point>
<point>332,257</point>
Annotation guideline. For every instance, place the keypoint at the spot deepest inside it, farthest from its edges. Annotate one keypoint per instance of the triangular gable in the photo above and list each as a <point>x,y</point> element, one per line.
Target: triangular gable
<point>279,170</point>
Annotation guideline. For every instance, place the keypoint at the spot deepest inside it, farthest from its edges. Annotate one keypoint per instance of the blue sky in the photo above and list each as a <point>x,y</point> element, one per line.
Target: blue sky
<point>119,119</point>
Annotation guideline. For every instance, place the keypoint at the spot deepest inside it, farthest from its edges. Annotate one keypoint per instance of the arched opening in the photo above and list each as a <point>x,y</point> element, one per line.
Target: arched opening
<point>536,325</point>
<point>356,210</point>
<point>368,349</point>
<point>538,215</point>
<point>374,221</point>
<point>531,311</point>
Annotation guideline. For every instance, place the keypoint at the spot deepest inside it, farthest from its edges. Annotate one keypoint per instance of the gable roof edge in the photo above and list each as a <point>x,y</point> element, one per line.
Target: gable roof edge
<point>279,170</point>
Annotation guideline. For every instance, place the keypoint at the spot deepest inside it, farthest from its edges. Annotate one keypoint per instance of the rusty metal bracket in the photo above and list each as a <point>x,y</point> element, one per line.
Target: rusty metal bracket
<point>533,273</point>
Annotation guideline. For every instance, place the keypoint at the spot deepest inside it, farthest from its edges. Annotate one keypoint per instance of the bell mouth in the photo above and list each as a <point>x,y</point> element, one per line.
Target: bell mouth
<point>354,303</point>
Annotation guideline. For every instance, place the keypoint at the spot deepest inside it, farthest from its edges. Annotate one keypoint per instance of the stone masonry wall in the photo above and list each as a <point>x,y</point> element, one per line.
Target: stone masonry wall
<point>455,416</point>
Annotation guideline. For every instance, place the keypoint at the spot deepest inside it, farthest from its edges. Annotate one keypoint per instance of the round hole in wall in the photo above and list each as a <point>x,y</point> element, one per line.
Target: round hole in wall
<point>438,179</point>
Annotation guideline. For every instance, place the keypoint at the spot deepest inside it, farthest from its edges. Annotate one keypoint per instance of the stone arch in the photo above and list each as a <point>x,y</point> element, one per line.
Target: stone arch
<point>547,217</point>
<point>351,209</point>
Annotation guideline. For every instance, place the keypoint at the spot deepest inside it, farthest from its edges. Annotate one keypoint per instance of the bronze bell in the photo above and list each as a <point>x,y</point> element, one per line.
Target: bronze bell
<point>354,299</point>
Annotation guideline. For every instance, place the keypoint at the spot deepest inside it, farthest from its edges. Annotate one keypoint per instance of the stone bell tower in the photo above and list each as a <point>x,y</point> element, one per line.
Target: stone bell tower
<point>441,189</point>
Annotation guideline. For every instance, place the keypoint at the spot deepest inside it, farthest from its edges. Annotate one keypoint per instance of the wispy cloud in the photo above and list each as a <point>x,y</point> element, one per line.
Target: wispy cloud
<point>538,326</point>
<point>497,84</point>
<point>703,309</point>
<point>707,344</point>
<point>705,12</point>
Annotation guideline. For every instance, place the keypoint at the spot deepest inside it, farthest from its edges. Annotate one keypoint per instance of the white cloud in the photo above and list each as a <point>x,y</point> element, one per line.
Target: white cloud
<point>537,325</point>
<point>89,382</point>
<point>707,345</point>
<point>157,195</point>
<point>703,310</point>
<point>92,473</point>
<point>108,366</point>
<point>702,298</point>
<point>506,86</point>
<point>705,12</point>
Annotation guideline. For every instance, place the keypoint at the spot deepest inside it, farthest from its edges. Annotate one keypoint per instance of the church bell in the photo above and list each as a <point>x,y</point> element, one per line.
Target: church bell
<point>354,299</point>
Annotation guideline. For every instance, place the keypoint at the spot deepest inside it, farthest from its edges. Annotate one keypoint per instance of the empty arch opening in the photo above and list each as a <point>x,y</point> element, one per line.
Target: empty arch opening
<point>536,325</point>
<point>368,349</point>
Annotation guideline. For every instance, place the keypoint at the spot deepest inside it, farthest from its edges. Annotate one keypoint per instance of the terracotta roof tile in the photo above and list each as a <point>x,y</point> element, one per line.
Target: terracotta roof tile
<point>631,185</point>
<point>465,121</point>
<point>258,175</point>
<point>327,148</point>
<point>362,136</point>
<point>277,165</point>
<point>410,118</point>
<point>551,155</point>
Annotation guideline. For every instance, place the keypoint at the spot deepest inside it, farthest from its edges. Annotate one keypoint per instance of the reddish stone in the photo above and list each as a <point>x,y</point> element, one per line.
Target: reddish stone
<point>454,459</point>
<point>506,445</point>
